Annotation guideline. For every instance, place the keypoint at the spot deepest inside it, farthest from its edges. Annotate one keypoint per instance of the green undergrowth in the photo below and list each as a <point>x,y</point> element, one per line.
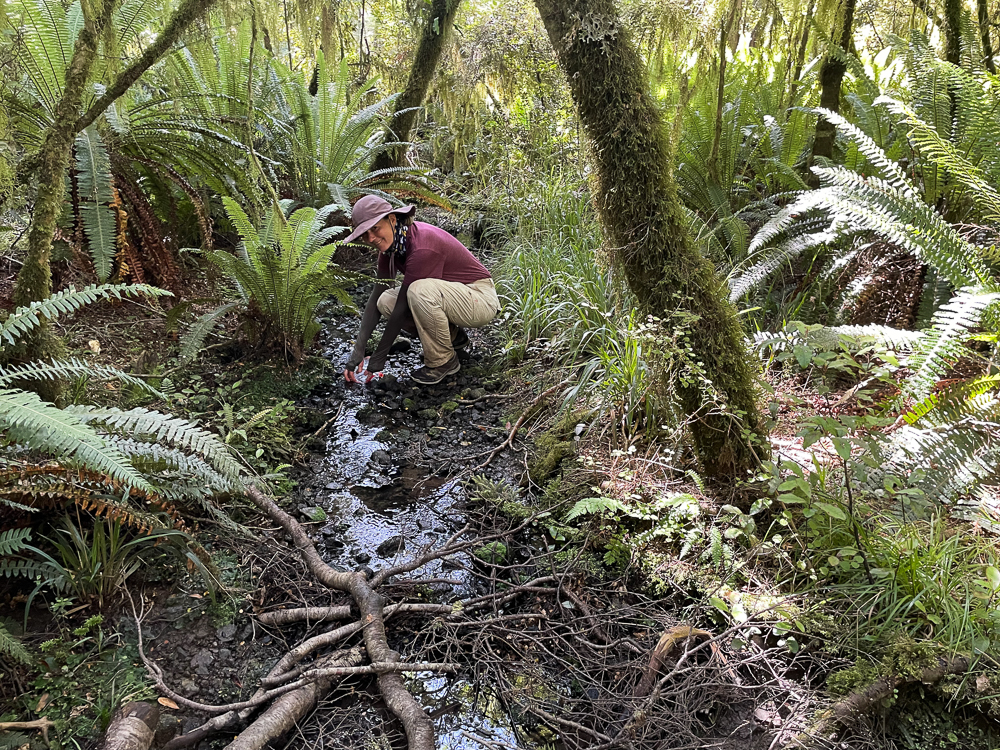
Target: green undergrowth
<point>85,673</point>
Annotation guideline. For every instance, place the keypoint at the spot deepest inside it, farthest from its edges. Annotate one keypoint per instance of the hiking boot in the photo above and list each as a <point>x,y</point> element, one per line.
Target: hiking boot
<point>459,338</point>
<point>431,375</point>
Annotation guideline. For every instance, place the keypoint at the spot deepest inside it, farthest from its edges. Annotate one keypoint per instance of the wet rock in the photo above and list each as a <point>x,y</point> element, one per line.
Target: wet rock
<point>333,486</point>
<point>362,558</point>
<point>382,458</point>
<point>202,661</point>
<point>226,633</point>
<point>392,546</point>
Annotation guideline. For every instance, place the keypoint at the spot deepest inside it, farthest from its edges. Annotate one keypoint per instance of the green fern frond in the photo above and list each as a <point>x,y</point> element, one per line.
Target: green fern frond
<point>162,428</point>
<point>13,541</point>
<point>12,647</point>
<point>31,422</point>
<point>943,344</point>
<point>589,506</point>
<point>68,301</point>
<point>71,368</point>
<point>194,340</point>
<point>20,568</point>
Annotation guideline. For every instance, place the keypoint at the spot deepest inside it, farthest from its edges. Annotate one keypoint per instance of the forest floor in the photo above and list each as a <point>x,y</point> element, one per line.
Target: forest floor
<point>549,639</point>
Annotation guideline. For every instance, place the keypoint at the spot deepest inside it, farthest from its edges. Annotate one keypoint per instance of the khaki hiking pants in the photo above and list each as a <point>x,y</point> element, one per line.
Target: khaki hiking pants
<point>435,303</point>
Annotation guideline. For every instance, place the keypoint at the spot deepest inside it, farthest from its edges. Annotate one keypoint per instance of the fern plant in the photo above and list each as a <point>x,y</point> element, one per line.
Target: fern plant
<point>282,274</point>
<point>130,466</point>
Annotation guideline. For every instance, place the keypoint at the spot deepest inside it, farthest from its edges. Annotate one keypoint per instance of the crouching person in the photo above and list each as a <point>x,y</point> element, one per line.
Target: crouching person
<point>444,290</point>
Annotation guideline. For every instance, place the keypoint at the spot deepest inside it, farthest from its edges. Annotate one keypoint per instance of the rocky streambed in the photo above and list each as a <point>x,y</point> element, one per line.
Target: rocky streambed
<point>389,482</point>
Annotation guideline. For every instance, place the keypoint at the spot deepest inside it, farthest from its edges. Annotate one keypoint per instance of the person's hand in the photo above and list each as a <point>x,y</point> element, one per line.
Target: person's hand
<point>351,376</point>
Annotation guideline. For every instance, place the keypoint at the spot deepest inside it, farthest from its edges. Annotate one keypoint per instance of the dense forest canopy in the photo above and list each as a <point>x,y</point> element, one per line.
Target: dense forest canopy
<point>747,259</point>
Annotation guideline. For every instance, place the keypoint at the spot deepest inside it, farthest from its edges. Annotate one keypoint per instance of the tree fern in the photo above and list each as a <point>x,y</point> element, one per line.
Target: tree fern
<point>285,271</point>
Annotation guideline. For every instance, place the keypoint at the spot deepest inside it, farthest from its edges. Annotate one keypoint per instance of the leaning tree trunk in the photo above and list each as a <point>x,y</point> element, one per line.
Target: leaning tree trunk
<point>800,56</point>
<point>637,204</point>
<point>34,282</point>
<point>984,34</point>
<point>440,18</point>
<point>831,77</point>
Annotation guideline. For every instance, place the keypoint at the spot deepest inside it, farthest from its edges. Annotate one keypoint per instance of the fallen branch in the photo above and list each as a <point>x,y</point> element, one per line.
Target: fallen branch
<point>133,727</point>
<point>286,712</point>
<point>43,725</point>
<point>304,614</point>
<point>416,724</point>
<point>845,714</point>
<point>282,671</point>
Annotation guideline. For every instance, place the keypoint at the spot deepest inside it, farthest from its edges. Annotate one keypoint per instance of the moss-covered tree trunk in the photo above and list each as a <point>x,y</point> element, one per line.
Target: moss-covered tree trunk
<point>440,17</point>
<point>953,31</point>
<point>637,204</point>
<point>34,282</point>
<point>983,14</point>
<point>831,78</point>
<point>800,55</point>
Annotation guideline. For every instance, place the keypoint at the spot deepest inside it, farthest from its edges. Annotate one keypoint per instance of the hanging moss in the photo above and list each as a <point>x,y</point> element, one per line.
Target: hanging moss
<point>637,203</point>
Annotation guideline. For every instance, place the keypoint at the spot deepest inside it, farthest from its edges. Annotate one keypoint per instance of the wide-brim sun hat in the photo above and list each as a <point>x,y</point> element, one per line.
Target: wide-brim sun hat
<point>369,211</point>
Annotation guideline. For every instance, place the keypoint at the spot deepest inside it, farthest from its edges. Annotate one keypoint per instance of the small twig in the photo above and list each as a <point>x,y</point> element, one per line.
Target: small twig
<point>497,396</point>
<point>489,744</point>
<point>546,716</point>
<point>517,426</point>
<point>329,421</point>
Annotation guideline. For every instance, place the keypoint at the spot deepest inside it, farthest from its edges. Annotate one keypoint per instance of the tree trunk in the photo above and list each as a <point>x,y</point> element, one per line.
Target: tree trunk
<point>439,21</point>
<point>725,29</point>
<point>800,56</point>
<point>34,282</point>
<point>831,76</point>
<point>636,199</point>
<point>953,31</point>
<point>984,35</point>
<point>133,727</point>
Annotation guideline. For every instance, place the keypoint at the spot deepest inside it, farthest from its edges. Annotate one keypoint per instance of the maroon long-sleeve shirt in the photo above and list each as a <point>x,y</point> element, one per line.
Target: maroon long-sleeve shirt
<point>432,254</point>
